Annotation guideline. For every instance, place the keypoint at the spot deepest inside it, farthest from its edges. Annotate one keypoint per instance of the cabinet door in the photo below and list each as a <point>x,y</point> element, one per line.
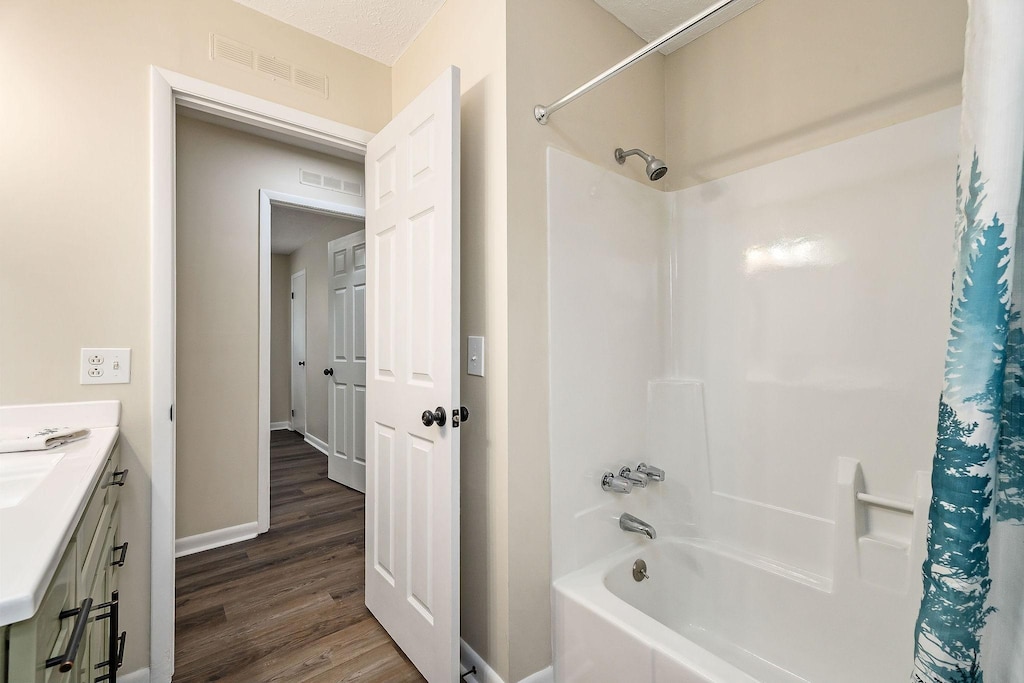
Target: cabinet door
<point>94,649</point>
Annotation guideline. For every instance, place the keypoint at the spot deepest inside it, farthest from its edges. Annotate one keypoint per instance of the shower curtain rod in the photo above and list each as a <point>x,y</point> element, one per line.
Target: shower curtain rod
<point>542,113</point>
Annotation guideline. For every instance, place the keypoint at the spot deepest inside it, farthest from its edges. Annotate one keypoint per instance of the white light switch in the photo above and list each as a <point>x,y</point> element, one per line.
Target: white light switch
<point>106,366</point>
<point>475,356</point>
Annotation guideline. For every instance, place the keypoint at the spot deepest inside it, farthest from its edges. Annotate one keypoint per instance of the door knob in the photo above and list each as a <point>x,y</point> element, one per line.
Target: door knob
<point>460,414</point>
<point>438,416</point>
<point>302,362</point>
<point>329,371</point>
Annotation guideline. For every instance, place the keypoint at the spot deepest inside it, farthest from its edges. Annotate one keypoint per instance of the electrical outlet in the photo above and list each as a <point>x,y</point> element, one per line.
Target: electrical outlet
<point>106,366</point>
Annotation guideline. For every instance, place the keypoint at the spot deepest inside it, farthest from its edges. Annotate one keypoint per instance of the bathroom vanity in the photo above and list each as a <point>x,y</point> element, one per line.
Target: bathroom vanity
<point>61,548</point>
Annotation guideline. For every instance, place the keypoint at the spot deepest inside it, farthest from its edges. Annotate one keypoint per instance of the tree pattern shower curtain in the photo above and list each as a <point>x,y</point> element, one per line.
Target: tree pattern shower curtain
<point>970,627</point>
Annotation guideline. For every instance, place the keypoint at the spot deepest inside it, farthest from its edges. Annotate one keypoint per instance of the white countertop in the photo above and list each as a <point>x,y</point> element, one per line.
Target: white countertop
<point>35,531</point>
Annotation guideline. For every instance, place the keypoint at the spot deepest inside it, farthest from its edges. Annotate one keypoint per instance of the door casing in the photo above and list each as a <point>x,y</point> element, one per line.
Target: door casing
<point>297,355</point>
<point>168,90</point>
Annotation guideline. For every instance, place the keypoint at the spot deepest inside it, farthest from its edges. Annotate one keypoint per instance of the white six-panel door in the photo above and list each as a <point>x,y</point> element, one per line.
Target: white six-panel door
<point>412,495</point>
<point>346,342</point>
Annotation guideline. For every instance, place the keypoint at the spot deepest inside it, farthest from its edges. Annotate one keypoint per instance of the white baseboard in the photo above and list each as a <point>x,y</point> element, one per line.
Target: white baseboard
<point>316,443</point>
<point>274,426</point>
<point>137,676</point>
<point>543,676</point>
<point>214,539</point>
<point>484,673</point>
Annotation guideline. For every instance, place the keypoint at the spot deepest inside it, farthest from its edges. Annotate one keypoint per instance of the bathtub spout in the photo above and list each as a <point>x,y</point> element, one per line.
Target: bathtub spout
<point>628,522</point>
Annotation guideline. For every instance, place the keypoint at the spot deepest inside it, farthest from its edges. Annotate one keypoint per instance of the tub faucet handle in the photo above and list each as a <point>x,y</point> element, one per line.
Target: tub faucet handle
<point>653,473</point>
<point>637,478</point>
<point>610,482</point>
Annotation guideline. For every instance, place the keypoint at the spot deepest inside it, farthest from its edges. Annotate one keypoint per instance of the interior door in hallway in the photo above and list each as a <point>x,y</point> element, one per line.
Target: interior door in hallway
<point>346,329</point>
<point>412,382</point>
<point>298,352</point>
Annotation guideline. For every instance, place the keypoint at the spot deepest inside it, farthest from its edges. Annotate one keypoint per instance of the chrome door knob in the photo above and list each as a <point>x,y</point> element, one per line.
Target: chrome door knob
<point>437,416</point>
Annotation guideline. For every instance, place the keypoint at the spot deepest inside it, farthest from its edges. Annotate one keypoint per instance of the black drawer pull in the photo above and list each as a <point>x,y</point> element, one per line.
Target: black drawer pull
<point>119,562</point>
<point>118,478</point>
<point>112,673</point>
<point>67,660</point>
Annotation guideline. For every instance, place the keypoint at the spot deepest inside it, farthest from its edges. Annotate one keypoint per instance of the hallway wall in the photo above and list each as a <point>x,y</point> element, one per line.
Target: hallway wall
<point>312,257</point>
<point>280,339</point>
<point>220,174</point>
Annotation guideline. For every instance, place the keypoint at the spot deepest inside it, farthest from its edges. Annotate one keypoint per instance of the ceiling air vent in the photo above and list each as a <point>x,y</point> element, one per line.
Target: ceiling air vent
<point>225,49</point>
<point>327,182</point>
<point>275,68</point>
<point>239,54</point>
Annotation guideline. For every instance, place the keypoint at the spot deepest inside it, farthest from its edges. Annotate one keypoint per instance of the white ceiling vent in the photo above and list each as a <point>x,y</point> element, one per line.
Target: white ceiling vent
<point>327,182</point>
<point>240,54</point>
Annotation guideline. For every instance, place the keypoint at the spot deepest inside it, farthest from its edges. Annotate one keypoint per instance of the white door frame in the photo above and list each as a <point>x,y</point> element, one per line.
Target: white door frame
<point>292,423</point>
<point>167,90</point>
<point>268,200</point>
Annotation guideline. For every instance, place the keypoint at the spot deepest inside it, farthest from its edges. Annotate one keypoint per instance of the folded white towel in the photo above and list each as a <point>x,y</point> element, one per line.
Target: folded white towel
<point>39,439</point>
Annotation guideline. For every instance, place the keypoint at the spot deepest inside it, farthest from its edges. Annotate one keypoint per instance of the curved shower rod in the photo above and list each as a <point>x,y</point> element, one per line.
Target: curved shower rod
<point>543,113</point>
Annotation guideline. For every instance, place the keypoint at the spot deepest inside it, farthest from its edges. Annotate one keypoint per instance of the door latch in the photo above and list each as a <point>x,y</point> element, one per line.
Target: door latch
<point>459,415</point>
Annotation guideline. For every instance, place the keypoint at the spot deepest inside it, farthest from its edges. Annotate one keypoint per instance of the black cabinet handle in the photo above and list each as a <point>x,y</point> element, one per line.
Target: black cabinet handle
<point>67,660</point>
<point>115,642</point>
<point>302,362</point>
<point>329,371</point>
<point>119,562</point>
<point>117,478</point>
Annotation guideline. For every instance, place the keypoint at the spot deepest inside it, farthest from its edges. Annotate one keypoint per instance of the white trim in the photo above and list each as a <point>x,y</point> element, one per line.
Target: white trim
<point>268,200</point>
<point>263,394</point>
<point>167,89</point>
<point>161,306</point>
<point>468,658</point>
<point>275,426</point>
<point>215,539</point>
<point>546,675</point>
<point>137,676</point>
<point>291,346</point>
<point>318,444</point>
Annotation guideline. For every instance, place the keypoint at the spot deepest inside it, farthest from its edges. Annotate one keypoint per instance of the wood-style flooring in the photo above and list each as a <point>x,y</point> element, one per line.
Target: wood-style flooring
<point>287,605</point>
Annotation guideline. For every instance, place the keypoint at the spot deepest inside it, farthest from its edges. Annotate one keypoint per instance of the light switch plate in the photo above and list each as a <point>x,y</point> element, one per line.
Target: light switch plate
<point>475,356</point>
<point>106,366</point>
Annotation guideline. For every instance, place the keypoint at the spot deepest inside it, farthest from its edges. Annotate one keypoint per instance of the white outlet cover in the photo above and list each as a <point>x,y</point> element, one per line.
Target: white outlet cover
<point>106,366</point>
<point>475,356</point>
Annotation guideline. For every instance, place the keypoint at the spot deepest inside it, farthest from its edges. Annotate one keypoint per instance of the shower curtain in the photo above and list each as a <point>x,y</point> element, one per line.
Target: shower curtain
<point>970,627</point>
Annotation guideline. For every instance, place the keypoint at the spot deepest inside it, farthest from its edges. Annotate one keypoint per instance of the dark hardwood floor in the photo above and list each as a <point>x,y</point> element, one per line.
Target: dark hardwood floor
<point>287,605</point>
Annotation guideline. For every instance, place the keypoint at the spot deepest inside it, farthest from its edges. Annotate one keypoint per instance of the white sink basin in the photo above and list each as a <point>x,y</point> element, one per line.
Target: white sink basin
<point>21,473</point>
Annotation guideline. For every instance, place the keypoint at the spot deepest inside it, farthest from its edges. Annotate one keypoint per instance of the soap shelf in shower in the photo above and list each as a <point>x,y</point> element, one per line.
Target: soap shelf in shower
<point>879,540</point>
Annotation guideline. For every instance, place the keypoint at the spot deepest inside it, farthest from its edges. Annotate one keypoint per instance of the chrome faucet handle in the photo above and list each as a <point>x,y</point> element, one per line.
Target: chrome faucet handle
<point>652,472</point>
<point>638,478</point>
<point>610,482</point>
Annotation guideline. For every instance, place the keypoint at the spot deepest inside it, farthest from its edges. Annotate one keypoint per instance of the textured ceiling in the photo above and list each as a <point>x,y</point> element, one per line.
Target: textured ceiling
<point>383,29</point>
<point>378,29</point>
<point>651,19</point>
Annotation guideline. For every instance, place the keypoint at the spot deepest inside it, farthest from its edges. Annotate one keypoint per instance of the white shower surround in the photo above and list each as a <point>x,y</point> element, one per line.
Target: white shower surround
<point>775,341</point>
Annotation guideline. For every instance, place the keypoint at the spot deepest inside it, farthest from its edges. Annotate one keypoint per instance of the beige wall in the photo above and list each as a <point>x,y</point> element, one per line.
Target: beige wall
<point>219,175</point>
<point>471,35</point>
<point>788,76</point>
<point>312,257</point>
<point>280,338</point>
<point>556,47</point>
<point>77,109</point>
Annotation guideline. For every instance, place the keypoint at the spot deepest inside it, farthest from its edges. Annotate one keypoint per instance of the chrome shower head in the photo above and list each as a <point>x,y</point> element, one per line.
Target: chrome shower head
<point>656,168</point>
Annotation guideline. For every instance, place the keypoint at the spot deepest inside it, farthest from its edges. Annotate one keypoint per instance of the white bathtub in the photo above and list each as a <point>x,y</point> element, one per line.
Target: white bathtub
<point>710,615</point>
